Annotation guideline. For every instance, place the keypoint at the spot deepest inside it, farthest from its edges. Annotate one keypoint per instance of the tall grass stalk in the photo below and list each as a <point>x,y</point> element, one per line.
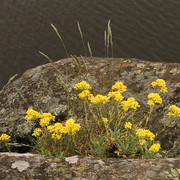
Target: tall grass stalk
<point>9,81</point>
<point>89,48</point>
<point>105,42</point>
<point>81,34</point>
<point>110,36</point>
<point>107,45</point>
<point>108,40</point>
<point>55,29</point>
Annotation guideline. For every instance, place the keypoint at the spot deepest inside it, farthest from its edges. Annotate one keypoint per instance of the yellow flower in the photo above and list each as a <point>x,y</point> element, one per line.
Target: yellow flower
<point>151,103</point>
<point>128,125</point>
<point>155,147</point>
<point>46,118</point>
<point>85,93</point>
<point>150,135</point>
<point>51,128</point>
<point>116,95</point>
<point>4,137</point>
<point>112,94</point>
<point>28,117</point>
<point>105,120</point>
<point>31,114</point>
<point>130,103</point>
<point>37,132</point>
<point>174,111</point>
<point>161,83</point>
<point>163,89</point>
<point>57,130</point>
<point>142,141</point>
<point>155,98</point>
<point>145,134</point>
<point>119,86</point>
<point>71,127</point>
<point>99,99</point>
<point>82,85</point>
<point>49,116</point>
<point>158,82</point>
<point>153,84</point>
<point>44,121</point>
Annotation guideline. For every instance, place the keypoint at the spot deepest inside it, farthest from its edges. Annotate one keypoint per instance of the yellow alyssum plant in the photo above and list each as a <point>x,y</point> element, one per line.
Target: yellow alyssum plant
<point>52,138</point>
<point>161,83</point>
<point>4,138</point>
<point>174,111</point>
<point>110,125</point>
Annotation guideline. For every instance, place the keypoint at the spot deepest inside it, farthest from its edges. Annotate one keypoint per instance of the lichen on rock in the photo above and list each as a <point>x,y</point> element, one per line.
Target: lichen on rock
<point>31,166</point>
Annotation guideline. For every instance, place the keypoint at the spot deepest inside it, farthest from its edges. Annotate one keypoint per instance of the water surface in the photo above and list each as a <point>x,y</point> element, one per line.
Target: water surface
<point>146,29</point>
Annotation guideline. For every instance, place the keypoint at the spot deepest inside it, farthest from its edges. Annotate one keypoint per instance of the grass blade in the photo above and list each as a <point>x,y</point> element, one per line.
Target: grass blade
<point>55,29</point>
<point>105,41</point>
<point>89,48</point>
<point>81,37</point>
<point>9,81</point>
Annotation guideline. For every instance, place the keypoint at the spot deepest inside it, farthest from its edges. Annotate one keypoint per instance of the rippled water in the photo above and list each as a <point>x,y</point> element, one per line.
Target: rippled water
<point>146,29</point>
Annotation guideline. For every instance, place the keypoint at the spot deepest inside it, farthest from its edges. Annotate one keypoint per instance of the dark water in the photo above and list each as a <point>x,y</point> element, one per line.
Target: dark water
<point>147,29</point>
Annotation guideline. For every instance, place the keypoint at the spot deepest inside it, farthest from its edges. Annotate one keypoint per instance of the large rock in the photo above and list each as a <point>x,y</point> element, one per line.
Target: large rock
<point>48,86</point>
<point>30,166</point>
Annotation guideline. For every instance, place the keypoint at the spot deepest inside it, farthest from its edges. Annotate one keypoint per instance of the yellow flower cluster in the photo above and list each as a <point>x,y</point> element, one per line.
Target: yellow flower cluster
<point>85,93</point>
<point>155,147</point>
<point>116,95</point>
<point>105,120</point>
<point>154,98</point>
<point>45,118</point>
<point>32,114</point>
<point>37,132</point>
<point>82,85</point>
<point>174,111</point>
<point>48,115</point>
<point>58,129</point>
<point>128,125</point>
<point>144,133</point>
<point>119,86</point>
<point>161,83</point>
<point>71,127</point>
<point>4,137</point>
<point>130,103</point>
<point>99,99</point>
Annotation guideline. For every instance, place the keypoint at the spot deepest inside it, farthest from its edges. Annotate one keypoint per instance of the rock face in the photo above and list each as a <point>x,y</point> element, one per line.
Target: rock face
<point>30,166</point>
<point>48,87</point>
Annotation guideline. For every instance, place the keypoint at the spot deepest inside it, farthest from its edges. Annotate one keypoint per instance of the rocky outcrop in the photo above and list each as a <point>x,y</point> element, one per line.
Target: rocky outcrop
<point>30,166</point>
<point>47,88</point>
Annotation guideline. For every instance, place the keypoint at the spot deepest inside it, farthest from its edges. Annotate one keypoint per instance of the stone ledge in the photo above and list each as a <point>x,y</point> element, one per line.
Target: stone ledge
<point>32,166</point>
